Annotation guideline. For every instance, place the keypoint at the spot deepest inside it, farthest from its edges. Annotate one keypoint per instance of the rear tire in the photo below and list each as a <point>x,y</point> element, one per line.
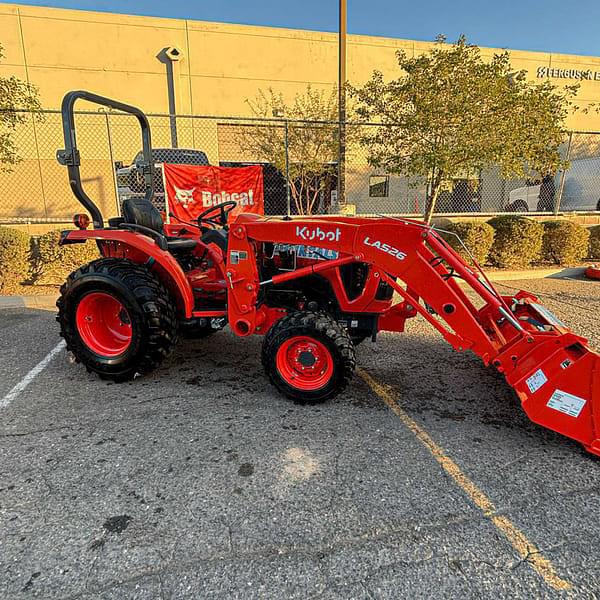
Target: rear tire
<point>308,357</point>
<point>117,318</point>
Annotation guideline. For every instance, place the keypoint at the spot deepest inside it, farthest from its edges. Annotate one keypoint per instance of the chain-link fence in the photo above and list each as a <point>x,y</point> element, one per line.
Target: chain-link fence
<point>301,165</point>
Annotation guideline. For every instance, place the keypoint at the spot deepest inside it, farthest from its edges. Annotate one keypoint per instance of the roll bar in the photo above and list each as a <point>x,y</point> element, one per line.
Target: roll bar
<point>71,158</point>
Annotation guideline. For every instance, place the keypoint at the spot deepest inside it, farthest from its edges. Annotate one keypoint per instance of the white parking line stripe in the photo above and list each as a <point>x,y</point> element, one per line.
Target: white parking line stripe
<point>31,375</point>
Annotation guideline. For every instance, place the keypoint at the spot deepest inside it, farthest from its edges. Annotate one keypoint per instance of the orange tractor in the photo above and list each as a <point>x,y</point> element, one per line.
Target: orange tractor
<point>314,287</point>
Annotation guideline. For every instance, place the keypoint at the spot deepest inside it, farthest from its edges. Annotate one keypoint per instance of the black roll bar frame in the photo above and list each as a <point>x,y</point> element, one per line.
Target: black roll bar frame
<point>70,157</point>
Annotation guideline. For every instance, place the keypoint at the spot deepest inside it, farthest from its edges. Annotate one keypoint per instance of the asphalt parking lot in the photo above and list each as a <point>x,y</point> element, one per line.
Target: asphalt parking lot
<point>201,482</point>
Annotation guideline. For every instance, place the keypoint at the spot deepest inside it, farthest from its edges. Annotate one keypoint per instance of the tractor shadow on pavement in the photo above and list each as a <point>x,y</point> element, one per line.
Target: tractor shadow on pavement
<point>443,389</point>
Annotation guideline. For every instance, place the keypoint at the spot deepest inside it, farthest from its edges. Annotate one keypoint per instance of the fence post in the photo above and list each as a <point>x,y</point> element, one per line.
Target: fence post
<point>287,171</point>
<point>341,170</point>
<point>113,169</point>
<point>39,163</point>
<point>562,176</point>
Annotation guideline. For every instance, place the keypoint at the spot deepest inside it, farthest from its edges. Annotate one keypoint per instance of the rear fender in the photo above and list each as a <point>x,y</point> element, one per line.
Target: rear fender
<point>143,250</point>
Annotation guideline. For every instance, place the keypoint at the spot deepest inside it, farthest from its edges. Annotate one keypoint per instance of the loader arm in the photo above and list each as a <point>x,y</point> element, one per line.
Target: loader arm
<point>553,371</point>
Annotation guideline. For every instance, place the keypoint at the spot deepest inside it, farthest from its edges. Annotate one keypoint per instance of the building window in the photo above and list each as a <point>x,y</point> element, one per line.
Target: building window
<point>379,186</point>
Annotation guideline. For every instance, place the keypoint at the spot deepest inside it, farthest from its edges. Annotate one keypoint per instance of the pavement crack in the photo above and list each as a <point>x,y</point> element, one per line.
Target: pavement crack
<point>88,575</point>
<point>456,565</point>
<point>35,431</point>
<point>512,462</point>
<point>230,538</point>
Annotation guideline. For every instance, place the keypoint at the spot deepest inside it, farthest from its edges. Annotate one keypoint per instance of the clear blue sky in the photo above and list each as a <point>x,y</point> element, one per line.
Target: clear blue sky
<point>569,26</point>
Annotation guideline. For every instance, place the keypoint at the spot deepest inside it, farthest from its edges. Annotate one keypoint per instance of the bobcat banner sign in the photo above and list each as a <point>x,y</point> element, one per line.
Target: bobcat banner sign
<point>191,189</point>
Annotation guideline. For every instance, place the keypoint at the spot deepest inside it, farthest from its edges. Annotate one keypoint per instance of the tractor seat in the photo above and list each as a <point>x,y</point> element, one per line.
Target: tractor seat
<point>140,211</point>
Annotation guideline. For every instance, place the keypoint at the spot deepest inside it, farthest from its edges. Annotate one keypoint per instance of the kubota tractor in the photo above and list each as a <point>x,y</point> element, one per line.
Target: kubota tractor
<point>314,287</point>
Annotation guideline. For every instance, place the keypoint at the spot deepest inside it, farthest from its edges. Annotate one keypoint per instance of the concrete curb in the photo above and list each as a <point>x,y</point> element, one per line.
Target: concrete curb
<point>555,273</point>
<point>42,302</point>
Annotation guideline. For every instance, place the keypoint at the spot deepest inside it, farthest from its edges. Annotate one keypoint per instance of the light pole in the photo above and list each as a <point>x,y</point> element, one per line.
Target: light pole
<point>341,104</point>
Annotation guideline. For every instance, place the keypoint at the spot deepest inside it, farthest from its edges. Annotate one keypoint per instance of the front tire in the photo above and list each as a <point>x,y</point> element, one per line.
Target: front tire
<point>308,357</point>
<point>117,318</point>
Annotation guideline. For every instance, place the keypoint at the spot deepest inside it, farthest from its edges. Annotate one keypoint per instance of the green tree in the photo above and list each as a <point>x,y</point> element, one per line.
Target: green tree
<point>312,142</point>
<point>451,114</point>
<point>17,100</point>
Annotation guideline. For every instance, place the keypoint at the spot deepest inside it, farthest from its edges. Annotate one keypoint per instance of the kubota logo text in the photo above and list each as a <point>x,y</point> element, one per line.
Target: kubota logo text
<point>308,234</point>
<point>385,248</point>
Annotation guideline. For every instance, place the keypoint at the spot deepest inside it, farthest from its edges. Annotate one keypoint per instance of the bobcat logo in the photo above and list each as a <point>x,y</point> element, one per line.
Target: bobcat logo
<point>184,197</point>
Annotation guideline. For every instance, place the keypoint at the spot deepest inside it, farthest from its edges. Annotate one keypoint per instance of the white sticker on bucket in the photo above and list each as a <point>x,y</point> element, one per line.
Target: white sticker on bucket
<point>536,381</point>
<point>566,403</point>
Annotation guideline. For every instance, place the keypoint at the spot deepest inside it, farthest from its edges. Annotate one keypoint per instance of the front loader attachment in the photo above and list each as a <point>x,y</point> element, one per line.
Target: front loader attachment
<point>553,371</point>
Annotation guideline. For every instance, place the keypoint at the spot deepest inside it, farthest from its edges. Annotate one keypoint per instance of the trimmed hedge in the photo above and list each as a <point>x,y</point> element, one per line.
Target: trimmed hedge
<point>594,251</point>
<point>564,243</point>
<point>517,241</point>
<point>51,263</point>
<point>478,237</point>
<point>14,258</point>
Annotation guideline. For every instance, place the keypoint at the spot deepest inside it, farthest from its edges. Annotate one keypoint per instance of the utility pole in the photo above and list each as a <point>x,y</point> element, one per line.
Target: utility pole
<point>341,192</point>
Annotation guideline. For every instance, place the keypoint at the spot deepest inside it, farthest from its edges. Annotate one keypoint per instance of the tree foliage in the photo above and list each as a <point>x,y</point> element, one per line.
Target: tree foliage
<point>312,142</point>
<point>451,113</point>
<point>15,96</point>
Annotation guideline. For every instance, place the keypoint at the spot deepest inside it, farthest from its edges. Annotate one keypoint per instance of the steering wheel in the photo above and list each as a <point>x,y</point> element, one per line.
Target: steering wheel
<point>219,220</point>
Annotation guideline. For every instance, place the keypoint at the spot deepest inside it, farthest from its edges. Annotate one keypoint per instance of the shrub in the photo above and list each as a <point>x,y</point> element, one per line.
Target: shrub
<point>14,258</point>
<point>565,243</point>
<point>517,241</point>
<point>478,237</point>
<point>594,241</point>
<point>52,263</point>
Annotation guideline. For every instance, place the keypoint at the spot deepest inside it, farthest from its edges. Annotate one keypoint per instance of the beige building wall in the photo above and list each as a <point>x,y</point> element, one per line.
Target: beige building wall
<point>222,66</point>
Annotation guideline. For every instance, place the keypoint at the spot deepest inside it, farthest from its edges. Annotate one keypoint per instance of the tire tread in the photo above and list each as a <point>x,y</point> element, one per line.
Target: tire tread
<point>154,301</point>
<point>305,323</point>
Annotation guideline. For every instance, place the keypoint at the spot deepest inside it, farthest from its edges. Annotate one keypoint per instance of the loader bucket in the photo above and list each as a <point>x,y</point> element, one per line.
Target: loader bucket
<point>555,374</point>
